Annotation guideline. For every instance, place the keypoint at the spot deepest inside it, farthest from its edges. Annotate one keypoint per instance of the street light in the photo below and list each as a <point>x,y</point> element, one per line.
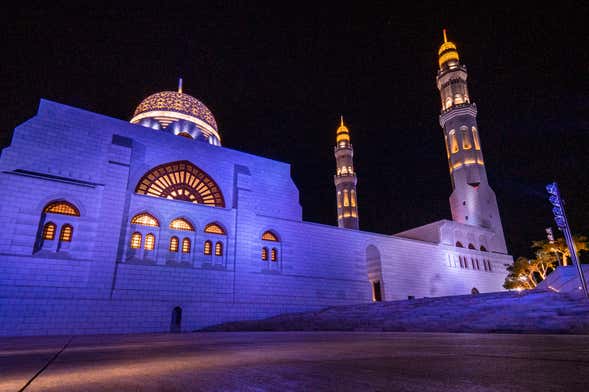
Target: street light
<point>563,224</point>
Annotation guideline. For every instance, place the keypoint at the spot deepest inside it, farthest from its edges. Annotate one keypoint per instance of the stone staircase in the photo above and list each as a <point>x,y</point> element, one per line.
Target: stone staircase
<point>533,311</point>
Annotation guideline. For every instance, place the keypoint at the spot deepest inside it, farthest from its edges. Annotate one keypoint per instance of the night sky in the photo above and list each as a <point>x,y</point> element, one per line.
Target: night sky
<point>277,80</point>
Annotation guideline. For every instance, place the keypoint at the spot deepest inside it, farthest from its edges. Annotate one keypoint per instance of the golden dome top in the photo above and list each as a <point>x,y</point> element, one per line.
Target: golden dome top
<point>342,132</point>
<point>447,52</point>
<point>175,102</point>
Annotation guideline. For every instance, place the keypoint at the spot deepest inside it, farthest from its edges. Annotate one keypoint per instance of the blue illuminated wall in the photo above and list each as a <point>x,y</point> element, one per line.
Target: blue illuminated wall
<point>93,285</point>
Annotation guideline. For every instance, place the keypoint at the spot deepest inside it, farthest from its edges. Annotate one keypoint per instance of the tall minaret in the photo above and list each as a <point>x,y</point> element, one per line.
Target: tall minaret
<point>472,201</point>
<point>345,179</point>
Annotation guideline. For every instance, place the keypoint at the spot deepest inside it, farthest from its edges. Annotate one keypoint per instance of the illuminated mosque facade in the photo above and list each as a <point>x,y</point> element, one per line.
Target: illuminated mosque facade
<point>110,226</point>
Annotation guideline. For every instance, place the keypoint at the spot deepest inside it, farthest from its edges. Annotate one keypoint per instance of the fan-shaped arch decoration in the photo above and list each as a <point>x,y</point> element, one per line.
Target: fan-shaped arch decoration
<point>269,236</point>
<point>145,219</point>
<point>62,207</point>
<point>181,224</point>
<point>214,228</point>
<point>181,180</point>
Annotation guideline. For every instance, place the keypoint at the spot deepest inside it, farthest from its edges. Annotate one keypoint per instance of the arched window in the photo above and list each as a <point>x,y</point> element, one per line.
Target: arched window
<point>274,255</point>
<point>489,263</point>
<point>475,136</point>
<point>346,198</point>
<point>186,245</point>
<point>459,244</point>
<point>66,233</point>
<point>471,246</point>
<point>483,249</point>
<point>181,224</point>
<point>149,242</point>
<point>219,249</point>
<point>339,199</point>
<point>466,143</point>
<point>136,240</point>
<point>264,253</point>
<point>181,181</point>
<point>174,244</point>
<point>453,142</point>
<point>145,219</point>
<point>461,263</point>
<point>353,198</point>
<point>214,228</point>
<point>49,231</point>
<point>61,207</point>
<point>269,236</point>
<point>208,247</point>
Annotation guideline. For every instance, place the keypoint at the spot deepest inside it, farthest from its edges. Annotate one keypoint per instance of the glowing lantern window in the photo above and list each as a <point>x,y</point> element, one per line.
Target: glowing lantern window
<point>186,245</point>
<point>208,247</point>
<point>269,236</point>
<point>145,219</point>
<point>63,208</point>
<point>181,224</point>
<point>219,249</point>
<point>174,244</point>
<point>66,233</point>
<point>214,228</point>
<point>136,241</point>
<point>49,231</point>
<point>149,241</point>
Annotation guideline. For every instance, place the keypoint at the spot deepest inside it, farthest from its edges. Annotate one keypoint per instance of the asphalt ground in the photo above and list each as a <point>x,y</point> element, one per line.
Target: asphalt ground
<point>296,361</point>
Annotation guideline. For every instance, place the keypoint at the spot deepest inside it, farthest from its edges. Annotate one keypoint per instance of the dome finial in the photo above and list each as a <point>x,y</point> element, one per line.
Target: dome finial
<point>445,39</point>
<point>341,120</point>
<point>180,85</point>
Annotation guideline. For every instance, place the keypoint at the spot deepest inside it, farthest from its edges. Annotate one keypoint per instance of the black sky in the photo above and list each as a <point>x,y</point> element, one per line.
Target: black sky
<point>278,77</point>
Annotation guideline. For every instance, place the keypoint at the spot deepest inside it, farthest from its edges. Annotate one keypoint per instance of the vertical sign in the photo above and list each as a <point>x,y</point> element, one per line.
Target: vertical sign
<point>563,224</point>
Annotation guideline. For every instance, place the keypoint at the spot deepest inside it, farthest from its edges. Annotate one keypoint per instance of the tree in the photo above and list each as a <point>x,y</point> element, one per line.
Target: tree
<point>560,248</point>
<point>525,274</point>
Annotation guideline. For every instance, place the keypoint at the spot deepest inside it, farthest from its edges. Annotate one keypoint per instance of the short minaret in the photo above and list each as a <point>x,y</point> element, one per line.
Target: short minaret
<point>345,180</point>
<point>472,201</point>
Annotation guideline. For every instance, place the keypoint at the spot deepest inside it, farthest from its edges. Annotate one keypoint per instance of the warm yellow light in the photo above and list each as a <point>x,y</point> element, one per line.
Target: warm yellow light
<point>269,236</point>
<point>475,136</point>
<point>136,241</point>
<point>166,117</point>
<point>214,228</point>
<point>181,224</point>
<point>186,245</point>
<point>452,55</point>
<point>149,241</point>
<point>145,219</point>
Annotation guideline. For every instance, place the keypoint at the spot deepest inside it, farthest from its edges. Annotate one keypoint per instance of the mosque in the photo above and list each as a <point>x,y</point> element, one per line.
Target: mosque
<point>110,226</point>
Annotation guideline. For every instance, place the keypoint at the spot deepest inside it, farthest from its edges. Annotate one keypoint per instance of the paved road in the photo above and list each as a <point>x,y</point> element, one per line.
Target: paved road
<point>297,361</point>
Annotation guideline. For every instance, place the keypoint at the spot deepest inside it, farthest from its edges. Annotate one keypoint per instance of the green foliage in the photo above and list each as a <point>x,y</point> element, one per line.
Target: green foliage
<point>525,274</point>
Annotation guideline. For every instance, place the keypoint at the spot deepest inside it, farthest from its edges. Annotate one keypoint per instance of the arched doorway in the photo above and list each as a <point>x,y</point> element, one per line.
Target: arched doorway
<point>374,270</point>
<point>176,323</point>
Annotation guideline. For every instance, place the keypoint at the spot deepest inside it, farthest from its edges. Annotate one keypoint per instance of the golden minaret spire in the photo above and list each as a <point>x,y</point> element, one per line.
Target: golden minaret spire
<point>180,85</point>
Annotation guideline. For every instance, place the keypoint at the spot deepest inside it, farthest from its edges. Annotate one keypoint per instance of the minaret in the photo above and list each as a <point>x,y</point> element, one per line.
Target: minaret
<point>345,179</point>
<point>472,201</point>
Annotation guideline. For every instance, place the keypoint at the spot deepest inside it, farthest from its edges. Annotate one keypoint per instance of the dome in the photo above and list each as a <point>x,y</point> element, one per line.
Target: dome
<point>342,134</point>
<point>447,53</point>
<point>178,113</point>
